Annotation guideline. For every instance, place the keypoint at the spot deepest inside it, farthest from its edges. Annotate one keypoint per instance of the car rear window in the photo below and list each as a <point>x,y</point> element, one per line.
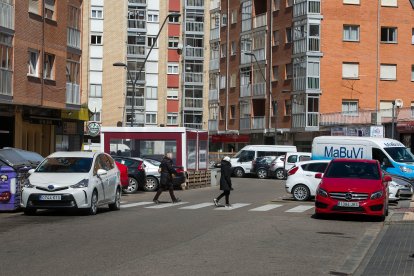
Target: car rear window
<point>360,170</point>
<point>315,167</point>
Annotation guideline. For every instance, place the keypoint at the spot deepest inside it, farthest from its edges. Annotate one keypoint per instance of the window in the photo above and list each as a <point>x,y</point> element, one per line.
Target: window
<point>222,112</point>
<point>276,5</point>
<point>351,2</point>
<point>48,66</point>
<point>34,6</point>
<point>288,107</point>
<point>313,74</point>
<point>412,109</point>
<point>289,3</point>
<point>386,109</point>
<point>50,9</point>
<point>95,91</point>
<point>173,42</point>
<point>222,82</point>
<point>233,79</point>
<point>350,70</point>
<point>412,72</point>
<point>276,38</point>
<point>153,17</point>
<point>224,19</point>
<point>288,35</point>
<point>275,73</point>
<point>96,117</point>
<point>174,19</point>
<point>289,71</point>
<point>95,64</point>
<point>350,108</point>
<point>233,48</point>
<point>172,94</point>
<point>152,40</point>
<point>172,68</point>
<point>389,3</point>
<point>72,71</point>
<point>351,33</point>
<point>232,112</point>
<point>172,119</point>
<point>389,34</point>
<point>388,72</point>
<point>96,13</point>
<point>96,39</point>
<point>33,63</point>
<point>152,92</point>
<point>233,16</point>
<point>223,50</point>
<point>151,118</point>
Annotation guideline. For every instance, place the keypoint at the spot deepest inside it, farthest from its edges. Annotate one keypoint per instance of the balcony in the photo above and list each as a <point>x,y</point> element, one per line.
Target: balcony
<point>194,52</point>
<point>215,34</point>
<point>73,38</point>
<point>194,27</point>
<point>136,24</point>
<point>6,82</point>
<point>214,64</point>
<point>245,123</point>
<point>246,25</point>
<point>136,75</point>
<point>314,44</point>
<point>258,122</point>
<point>245,91</point>
<point>138,102</point>
<point>259,89</point>
<point>6,15</point>
<point>194,4</point>
<point>193,77</point>
<point>212,125</point>
<point>245,59</point>
<point>136,50</point>
<point>361,117</point>
<point>304,7</point>
<point>72,93</point>
<point>193,103</point>
<point>260,54</point>
<point>213,95</point>
<point>215,4</point>
<point>260,21</point>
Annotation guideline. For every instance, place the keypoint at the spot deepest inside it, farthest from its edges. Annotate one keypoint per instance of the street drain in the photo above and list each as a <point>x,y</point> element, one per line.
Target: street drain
<point>331,233</point>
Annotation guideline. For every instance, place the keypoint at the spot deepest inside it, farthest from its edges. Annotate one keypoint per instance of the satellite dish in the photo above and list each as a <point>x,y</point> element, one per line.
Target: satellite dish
<point>94,105</point>
<point>399,103</point>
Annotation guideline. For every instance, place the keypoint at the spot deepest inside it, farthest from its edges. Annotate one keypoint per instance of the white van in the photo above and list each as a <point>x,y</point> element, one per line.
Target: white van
<point>394,157</point>
<point>242,161</point>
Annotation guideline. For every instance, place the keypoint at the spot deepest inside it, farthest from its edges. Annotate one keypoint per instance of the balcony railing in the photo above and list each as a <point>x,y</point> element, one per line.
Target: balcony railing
<point>193,125</point>
<point>303,7</point>
<point>314,44</point>
<point>195,27</point>
<point>193,103</point>
<point>213,95</point>
<point>260,21</point>
<point>259,89</point>
<point>215,4</point>
<point>246,25</point>
<point>258,122</point>
<point>137,75</point>
<point>195,3</point>
<point>72,93</point>
<point>136,24</point>
<point>139,2</point>
<point>214,64</point>
<point>260,54</point>
<point>74,38</point>
<point>360,117</point>
<point>193,77</point>
<point>244,123</point>
<point>6,16</point>
<point>212,125</point>
<point>245,90</point>
<point>194,52</point>
<point>135,50</point>
<point>6,82</point>
<point>215,33</point>
<point>139,102</point>
<point>245,59</point>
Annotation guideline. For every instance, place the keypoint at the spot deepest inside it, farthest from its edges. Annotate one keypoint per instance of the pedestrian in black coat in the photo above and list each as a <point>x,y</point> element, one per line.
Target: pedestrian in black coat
<point>167,172</point>
<point>225,181</point>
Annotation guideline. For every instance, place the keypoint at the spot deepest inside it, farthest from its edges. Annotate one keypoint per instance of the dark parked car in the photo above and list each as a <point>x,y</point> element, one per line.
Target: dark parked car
<point>136,173</point>
<point>152,173</point>
<point>261,166</point>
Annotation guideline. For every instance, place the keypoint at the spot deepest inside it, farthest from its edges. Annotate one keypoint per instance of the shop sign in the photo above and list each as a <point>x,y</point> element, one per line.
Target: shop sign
<point>405,127</point>
<point>230,138</point>
<point>94,129</point>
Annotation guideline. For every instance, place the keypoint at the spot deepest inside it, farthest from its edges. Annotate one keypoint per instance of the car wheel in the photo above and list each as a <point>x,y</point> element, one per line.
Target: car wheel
<point>301,192</point>
<point>30,211</point>
<point>262,173</point>
<point>94,204</point>
<point>151,184</point>
<point>239,172</point>
<point>132,186</point>
<point>117,204</point>
<point>280,174</point>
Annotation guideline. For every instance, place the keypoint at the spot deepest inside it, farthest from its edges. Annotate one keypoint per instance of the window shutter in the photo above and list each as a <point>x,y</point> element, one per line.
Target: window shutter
<point>34,6</point>
<point>388,72</point>
<point>389,3</point>
<point>50,4</point>
<point>350,70</point>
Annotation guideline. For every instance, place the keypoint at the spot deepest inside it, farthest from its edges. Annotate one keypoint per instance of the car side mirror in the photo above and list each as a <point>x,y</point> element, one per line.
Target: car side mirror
<point>31,171</point>
<point>101,172</point>
<point>387,178</point>
<point>319,175</point>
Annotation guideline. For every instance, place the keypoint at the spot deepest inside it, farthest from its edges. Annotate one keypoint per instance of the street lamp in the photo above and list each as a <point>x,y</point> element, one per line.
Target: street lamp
<point>134,81</point>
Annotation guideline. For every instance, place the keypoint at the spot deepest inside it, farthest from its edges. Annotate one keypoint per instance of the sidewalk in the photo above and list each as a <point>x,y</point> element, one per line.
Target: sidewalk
<point>393,251</point>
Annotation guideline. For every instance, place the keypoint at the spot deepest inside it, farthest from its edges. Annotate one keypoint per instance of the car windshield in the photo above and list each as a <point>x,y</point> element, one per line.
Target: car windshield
<point>400,154</point>
<point>360,170</point>
<point>66,165</point>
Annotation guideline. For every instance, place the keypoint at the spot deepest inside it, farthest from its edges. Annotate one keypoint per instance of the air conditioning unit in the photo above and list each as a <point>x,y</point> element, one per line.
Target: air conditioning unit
<point>375,118</point>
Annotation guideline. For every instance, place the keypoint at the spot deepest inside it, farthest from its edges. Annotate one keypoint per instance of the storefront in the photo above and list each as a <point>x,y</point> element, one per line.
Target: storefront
<point>406,131</point>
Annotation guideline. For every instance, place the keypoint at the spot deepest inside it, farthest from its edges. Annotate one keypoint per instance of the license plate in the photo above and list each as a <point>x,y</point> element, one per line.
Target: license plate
<point>50,197</point>
<point>348,204</point>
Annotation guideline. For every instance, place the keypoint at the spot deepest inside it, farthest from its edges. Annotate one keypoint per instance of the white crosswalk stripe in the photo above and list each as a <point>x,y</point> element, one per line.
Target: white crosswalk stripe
<point>165,205</point>
<point>300,209</point>
<point>135,204</point>
<point>266,207</point>
<point>233,206</point>
<point>197,206</point>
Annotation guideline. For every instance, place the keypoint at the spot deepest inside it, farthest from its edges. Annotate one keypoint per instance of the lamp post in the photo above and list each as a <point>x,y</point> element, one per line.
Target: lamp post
<point>134,81</point>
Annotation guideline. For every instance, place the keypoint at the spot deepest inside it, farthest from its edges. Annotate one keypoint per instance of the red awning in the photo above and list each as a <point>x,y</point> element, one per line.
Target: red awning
<point>230,138</point>
<point>405,127</point>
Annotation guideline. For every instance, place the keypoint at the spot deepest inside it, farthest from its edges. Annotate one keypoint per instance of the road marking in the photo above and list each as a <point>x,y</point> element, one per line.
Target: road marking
<point>136,204</point>
<point>267,207</point>
<point>233,206</point>
<point>165,205</point>
<point>300,209</point>
<point>408,216</point>
<point>197,206</point>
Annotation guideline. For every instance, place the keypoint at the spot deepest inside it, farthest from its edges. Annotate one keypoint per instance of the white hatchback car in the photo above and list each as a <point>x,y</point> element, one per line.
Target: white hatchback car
<point>301,181</point>
<point>83,180</point>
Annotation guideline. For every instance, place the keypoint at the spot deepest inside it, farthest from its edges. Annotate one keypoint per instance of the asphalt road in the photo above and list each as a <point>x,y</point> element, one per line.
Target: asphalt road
<point>199,240</point>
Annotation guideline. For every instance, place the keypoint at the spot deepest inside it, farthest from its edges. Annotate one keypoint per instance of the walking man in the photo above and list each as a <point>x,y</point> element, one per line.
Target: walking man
<point>225,181</point>
<point>167,172</point>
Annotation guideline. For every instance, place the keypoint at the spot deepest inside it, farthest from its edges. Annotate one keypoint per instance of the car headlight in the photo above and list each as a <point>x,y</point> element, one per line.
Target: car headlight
<point>322,192</point>
<point>376,195</point>
<point>27,184</point>
<point>81,184</point>
<point>406,169</point>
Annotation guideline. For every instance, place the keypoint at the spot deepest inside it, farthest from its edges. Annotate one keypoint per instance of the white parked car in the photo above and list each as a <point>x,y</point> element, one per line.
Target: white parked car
<point>399,188</point>
<point>153,176</point>
<point>83,180</point>
<point>301,181</point>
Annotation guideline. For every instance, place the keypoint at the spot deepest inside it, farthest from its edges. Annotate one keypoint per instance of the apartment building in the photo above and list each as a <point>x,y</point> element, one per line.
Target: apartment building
<point>40,55</point>
<point>286,71</point>
<point>161,43</point>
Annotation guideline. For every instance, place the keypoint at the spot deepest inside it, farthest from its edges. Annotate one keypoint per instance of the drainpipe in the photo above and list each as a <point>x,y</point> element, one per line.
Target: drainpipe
<point>269,37</point>
<point>42,80</point>
<point>227,65</point>
<point>378,59</point>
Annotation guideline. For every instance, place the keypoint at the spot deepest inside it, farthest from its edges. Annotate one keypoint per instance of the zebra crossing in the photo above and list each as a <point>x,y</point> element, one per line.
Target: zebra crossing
<point>210,205</point>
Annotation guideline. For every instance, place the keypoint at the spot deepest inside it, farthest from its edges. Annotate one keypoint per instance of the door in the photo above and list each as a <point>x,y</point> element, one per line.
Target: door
<point>110,177</point>
<point>310,171</point>
<point>98,182</point>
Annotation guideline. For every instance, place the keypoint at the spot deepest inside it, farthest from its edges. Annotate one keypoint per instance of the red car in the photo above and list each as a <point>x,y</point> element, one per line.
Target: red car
<point>124,174</point>
<point>353,186</point>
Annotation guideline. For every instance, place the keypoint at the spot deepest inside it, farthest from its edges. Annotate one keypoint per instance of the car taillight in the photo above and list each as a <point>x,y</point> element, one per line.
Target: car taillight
<point>5,196</point>
<point>141,166</point>
<point>293,170</point>
<point>179,170</point>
